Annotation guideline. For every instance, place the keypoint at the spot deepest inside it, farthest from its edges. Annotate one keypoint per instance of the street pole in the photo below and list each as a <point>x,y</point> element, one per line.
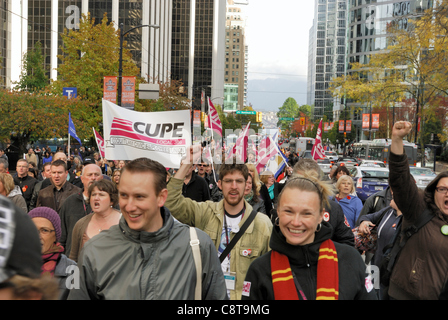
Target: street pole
<point>120,62</point>
<point>120,66</point>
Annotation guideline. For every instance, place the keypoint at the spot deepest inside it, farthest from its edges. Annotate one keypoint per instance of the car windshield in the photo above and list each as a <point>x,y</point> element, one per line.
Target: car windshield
<point>375,174</point>
<point>422,172</point>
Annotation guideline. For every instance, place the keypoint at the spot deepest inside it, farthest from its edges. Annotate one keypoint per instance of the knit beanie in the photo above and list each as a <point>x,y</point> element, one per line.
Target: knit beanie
<point>49,214</point>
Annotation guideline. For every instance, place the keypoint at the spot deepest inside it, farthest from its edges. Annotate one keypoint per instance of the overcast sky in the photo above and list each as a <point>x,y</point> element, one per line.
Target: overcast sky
<point>277,35</point>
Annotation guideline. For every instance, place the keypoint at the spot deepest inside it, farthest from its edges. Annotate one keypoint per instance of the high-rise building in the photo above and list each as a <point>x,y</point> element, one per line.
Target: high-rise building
<point>198,57</point>
<point>367,35</point>
<point>4,36</point>
<point>235,87</point>
<point>45,20</point>
<point>367,24</point>
<point>186,46</point>
<point>327,55</point>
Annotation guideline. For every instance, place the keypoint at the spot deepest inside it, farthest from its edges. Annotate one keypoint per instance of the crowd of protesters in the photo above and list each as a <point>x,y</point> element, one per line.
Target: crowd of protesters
<point>138,230</point>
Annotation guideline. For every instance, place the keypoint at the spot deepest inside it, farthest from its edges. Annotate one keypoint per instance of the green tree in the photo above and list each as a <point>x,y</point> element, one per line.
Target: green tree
<point>289,109</point>
<point>32,77</point>
<point>90,54</point>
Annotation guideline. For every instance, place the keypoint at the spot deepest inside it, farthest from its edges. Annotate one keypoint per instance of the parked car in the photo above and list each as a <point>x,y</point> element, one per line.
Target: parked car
<point>325,165</point>
<point>332,156</point>
<point>372,163</point>
<point>369,180</point>
<point>422,176</point>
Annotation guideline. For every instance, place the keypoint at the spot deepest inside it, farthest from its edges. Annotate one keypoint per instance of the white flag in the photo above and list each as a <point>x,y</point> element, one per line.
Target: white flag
<point>160,136</point>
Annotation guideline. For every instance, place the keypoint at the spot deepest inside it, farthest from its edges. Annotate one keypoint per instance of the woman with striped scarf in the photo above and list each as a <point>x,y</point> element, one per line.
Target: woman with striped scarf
<point>304,264</point>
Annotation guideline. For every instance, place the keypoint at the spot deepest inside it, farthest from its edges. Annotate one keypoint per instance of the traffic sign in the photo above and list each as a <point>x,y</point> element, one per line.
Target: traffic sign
<point>70,92</point>
<point>286,119</point>
<point>247,112</point>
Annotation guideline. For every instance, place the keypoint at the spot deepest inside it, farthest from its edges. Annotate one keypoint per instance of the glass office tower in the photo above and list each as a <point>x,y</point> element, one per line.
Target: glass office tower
<point>327,53</point>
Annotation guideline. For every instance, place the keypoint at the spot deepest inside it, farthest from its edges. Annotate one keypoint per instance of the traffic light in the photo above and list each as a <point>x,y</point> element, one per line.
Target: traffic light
<point>259,117</point>
<point>302,121</point>
<point>202,116</point>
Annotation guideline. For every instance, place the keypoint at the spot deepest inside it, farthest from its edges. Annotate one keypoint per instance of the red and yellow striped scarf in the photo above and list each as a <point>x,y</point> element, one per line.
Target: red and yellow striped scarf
<point>327,275</point>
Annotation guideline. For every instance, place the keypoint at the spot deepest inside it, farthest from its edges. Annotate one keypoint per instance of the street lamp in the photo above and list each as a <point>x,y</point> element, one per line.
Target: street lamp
<point>120,62</point>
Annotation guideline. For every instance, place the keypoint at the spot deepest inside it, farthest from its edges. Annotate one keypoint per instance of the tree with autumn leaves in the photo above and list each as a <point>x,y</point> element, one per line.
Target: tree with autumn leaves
<point>26,117</point>
<point>410,73</point>
<point>88,55</point>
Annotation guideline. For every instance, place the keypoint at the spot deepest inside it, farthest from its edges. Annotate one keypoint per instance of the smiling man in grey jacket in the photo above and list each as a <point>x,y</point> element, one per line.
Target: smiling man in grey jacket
<point>148,255</point>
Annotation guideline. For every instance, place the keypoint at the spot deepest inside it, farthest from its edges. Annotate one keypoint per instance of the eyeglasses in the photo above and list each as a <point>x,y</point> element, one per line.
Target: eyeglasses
<point>238,181</point>
<point>45,231</point>
<point>442,190</point>
<point>202,165</point>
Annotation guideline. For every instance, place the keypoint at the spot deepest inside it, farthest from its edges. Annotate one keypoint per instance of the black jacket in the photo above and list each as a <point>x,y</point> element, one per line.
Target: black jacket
<point>73,209</point>
<point>375,203</point>
<point>26,185</point>
<point>197,189</point>
<point>303,261</point>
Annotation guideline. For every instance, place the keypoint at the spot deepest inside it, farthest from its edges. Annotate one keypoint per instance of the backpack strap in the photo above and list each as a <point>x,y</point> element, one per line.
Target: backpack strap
<point>237,236</point>
<point>194,243</point>
<point>407,233</point>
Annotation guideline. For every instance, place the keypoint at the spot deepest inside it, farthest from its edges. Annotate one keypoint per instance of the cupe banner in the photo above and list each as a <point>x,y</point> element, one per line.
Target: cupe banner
<point>160,136</point>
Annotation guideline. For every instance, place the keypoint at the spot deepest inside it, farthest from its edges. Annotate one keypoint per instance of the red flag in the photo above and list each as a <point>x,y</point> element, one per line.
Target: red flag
<point>241,145</point>
<point>266,150</point>
<point>318,151</point>
<point>213,118</point>
<point>100,143</point>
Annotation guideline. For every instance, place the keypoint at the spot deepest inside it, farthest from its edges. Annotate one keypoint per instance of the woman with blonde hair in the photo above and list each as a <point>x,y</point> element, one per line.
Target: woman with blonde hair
<point>261,188</point>
<point>351,204</point>
<point>10,190</point>
<point>304,263</point>
<point>268,179</point>
<point>255,177</point>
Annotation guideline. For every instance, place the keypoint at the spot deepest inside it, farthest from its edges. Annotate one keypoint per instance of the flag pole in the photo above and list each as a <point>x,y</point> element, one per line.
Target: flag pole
<point>68,145</point>
<point>211,126</point>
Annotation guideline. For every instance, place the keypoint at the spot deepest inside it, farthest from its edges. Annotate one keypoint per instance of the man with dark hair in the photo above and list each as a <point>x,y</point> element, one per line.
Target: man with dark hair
<point>54,195</point>
<point>222,220</point>
<point>46,175</point>
<point>195,187</point>
<point>150,254</point>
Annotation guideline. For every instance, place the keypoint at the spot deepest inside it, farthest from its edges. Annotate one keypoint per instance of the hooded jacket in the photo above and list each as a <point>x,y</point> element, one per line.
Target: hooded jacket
<point>421,269</point>
<point>209,217</point>
<point>124,264</point>
<point>303,261</point>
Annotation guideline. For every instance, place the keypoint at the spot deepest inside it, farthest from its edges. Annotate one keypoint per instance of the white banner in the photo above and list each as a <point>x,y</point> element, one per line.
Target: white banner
<point>160,136</point>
